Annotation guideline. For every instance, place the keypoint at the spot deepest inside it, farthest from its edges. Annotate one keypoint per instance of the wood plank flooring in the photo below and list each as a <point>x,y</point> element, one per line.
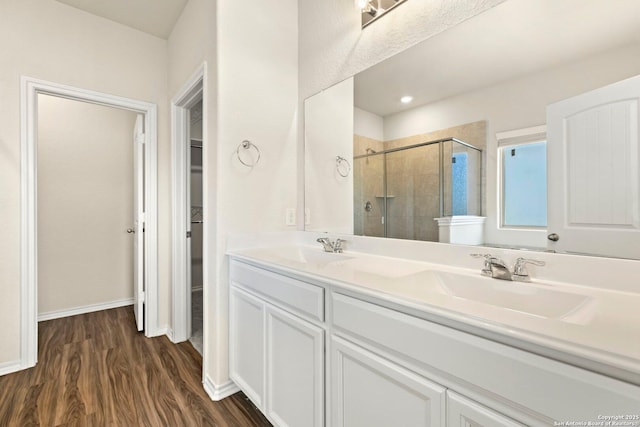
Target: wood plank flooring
<point>96,370</point>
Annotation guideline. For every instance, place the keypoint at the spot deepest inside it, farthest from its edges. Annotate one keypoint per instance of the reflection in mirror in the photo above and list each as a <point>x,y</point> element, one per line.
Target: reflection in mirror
<point>500,73</point>
<point>399,192</point>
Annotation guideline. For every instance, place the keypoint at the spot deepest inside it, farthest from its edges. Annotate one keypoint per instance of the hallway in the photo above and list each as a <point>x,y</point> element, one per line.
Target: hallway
<point>96,370</point>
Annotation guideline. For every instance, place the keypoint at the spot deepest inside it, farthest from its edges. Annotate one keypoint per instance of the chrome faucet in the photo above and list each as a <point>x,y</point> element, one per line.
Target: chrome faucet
<point>331,246</point>
<point>498,269</point>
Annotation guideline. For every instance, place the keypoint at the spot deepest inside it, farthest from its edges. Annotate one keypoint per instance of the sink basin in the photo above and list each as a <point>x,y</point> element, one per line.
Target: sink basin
<point>308,256</point>
<point>517,296</point>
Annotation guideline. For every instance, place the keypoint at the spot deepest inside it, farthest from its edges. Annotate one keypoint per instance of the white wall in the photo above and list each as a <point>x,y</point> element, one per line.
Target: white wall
<point>514,104</point>
<point>329,133</point>
<point>193,42</point>
<point>49,40</point>
<point>85,204</point>
<point>368,124</point>
<point>251,51</point>
<point>258,101</point>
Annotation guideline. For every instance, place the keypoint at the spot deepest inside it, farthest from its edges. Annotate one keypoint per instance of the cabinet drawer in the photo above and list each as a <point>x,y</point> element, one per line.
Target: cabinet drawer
<point>293,295</point>
<point>462,412</point>
<point>551,389</point>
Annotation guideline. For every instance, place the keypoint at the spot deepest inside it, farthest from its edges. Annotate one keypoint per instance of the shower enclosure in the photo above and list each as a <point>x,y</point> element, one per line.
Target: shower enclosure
<point>399,192</point>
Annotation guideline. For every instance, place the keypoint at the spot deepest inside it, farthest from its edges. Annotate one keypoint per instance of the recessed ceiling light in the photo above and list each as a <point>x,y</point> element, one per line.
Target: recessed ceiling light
<point>406,99</point>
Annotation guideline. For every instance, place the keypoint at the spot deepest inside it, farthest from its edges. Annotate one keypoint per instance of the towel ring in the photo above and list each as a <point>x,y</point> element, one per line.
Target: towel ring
<point>343,166</point>
<point>246,145</point>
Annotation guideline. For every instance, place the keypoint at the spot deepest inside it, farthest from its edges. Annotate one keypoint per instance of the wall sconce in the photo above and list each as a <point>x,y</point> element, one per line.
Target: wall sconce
<point>374,9</point>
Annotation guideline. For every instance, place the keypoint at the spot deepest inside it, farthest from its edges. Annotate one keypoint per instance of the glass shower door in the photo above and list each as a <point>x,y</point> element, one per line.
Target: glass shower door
<point>413,193</point>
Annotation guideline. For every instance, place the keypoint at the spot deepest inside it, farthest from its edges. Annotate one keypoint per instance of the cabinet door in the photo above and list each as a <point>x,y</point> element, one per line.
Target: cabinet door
<point>462,412</point>
<point>246,344</point>
<point>368,391</point>
<point>295,370</point>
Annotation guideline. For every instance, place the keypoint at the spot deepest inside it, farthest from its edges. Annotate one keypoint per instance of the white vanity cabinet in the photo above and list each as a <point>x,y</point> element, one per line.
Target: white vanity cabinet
<point>276,356</point>
<point>513,386</point>
<point>382,363</point>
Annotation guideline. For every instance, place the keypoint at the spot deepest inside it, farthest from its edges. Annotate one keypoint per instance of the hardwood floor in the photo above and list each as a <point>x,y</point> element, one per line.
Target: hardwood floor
<point>96,370</point>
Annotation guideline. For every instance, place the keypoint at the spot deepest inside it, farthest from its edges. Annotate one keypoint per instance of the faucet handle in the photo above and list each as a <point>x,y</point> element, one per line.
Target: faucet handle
<point>337,246</point>
<point>520,269</point>
<point>486,270</point>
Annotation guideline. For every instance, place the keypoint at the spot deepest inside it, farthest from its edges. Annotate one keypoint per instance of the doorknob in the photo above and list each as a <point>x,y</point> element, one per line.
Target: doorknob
<point>553,237</point>
<point>130,230</point>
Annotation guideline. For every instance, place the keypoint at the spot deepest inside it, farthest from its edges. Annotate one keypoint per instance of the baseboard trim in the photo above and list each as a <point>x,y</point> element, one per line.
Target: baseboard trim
<point>219,392</point>
<point>84,309</point>
<point>164,330</point>
<point>10,367</point>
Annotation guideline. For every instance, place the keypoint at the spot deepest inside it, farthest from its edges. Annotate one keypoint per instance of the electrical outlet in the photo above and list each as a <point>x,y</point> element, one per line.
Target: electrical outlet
<point>307,216</point>
<point>290,216</point>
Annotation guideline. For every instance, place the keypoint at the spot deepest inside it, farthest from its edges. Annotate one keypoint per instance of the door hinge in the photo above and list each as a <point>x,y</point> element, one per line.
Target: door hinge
<point>141,297</point>
<point>140,138</point>
<point>188,234</point>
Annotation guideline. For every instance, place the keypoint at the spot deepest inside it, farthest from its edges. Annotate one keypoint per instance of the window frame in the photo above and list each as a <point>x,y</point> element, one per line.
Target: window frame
<point>514,138</point>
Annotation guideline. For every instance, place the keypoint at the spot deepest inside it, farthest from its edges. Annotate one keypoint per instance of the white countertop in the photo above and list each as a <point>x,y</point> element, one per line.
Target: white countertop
<point>601,333</point>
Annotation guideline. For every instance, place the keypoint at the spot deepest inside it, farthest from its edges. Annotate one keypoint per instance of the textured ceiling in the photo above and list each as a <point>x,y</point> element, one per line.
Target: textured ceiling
<point>510,40</point>
<point>155,17</point>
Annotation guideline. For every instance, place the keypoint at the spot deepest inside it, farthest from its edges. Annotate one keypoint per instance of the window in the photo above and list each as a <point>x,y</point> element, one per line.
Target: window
<point>523,165</point>
<point>459,184</point>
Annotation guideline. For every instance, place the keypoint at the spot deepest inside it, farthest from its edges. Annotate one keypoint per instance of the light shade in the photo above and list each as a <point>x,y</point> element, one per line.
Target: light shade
<point>362,4</point>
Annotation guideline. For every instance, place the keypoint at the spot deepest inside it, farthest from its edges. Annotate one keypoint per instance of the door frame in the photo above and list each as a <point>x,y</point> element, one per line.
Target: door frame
<point>193,89</point>
<point>30,88</point>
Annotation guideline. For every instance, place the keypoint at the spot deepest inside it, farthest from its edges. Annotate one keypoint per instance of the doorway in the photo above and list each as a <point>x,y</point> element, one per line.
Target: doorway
<point>85,202</point>
<point>196,224</point>
<point>146,300</point>
<point>190,211</point>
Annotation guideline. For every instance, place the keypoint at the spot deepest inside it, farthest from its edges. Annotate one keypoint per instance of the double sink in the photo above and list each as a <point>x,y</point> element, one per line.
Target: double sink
<point>422,281</point>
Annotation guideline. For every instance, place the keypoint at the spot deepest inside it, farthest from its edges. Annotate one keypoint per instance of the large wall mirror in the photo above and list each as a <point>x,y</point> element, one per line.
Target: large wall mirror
<point>516,128</point>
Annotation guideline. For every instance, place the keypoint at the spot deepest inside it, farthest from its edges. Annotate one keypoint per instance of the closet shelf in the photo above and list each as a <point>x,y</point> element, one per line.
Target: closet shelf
<point>196,215</point>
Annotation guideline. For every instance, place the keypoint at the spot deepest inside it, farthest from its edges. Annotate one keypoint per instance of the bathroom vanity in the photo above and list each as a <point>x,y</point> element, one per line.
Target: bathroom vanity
<point>357,339</point>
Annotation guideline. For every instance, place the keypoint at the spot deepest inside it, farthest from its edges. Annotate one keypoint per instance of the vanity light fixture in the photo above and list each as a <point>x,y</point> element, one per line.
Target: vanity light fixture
<point>374,9</point>
<point>362,4</point>
<point>406,99</point>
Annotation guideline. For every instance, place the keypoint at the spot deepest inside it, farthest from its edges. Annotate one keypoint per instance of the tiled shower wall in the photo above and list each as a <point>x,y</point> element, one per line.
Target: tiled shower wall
<point>368,183</point>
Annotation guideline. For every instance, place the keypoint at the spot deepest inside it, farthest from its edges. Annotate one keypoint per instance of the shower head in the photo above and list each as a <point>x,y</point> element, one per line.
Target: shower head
<point>371,151</point>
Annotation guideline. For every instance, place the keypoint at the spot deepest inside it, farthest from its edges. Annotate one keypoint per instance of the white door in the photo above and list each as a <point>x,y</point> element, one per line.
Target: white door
<point>368,390</point>
<point>295,370</point>
<point>138,221</point>
<point>593,182</point>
